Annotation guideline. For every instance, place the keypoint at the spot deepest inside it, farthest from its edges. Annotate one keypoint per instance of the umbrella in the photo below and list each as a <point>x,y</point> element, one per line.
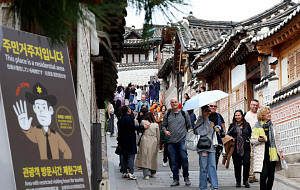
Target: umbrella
<point>203,99</point>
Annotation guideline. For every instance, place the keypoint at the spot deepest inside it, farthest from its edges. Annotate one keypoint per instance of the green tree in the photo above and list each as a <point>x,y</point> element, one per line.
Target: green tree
<point>56,18</point>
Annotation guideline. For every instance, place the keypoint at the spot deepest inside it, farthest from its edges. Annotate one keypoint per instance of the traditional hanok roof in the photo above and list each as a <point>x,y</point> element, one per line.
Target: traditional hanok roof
<point>196,34</point>
<point>294,11</point>
<point>166,69</point>
<point>250,27</point>
<point>134,37</point>
<point>241,50</point>
<point>131,32</point>
<point>221,56</point>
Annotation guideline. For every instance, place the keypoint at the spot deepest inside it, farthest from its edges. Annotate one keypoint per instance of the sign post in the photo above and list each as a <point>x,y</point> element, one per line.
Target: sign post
<point>41,113</point>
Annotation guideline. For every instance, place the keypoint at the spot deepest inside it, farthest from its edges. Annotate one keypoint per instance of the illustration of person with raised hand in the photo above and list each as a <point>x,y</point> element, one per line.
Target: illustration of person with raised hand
<point>49,141</point>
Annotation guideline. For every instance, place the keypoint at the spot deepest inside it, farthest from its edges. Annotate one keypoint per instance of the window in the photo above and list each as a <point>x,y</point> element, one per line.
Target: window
<point>129,58</point>
<point>293,63</point>
<point>124,59</point>
<point>136,58</point>
<point>284,73</point>
<point>143,57</point>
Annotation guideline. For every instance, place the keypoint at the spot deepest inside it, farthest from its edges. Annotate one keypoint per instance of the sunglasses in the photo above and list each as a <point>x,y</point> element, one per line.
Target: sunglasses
<point>212,106</point>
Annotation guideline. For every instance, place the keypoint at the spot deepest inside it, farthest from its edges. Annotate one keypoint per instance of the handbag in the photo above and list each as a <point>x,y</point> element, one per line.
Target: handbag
<point>192,139</point>
<point>204,142</point>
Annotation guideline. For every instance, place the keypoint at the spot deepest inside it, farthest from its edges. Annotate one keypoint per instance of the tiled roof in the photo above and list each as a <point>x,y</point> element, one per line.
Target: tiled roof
<point>238,49</point>
<point>295,10</point>
<point>196,34</point>
<point>202,70</point>
<point>129,31</point>
<point>285,92</point>
<point>257,25</point>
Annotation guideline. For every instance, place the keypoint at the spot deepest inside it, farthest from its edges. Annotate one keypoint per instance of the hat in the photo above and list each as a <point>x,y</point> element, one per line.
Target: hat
<point>40,92</point>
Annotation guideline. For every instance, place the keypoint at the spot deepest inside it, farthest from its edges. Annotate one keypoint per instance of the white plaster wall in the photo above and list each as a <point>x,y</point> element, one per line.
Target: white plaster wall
<point>238,75</point>
<point>139,77</point>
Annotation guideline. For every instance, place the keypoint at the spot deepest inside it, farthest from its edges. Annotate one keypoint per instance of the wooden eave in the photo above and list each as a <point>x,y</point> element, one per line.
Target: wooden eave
<point>221,58</point>
<point>177,52</point>
<point>286,33</point>
<point>166,36</point>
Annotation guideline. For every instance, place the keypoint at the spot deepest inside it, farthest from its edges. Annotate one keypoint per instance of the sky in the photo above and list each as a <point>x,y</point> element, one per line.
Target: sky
<point>217,10</point>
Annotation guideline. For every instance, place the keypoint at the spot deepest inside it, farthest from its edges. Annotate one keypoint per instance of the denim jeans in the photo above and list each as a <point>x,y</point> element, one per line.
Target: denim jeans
<point>157,95</point>
<point>175,150</point>
<point>128,161</point>
<point>208,166</point>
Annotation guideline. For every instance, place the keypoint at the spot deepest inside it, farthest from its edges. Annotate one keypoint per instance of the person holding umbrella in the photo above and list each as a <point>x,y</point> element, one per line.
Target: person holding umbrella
<point>207,158</point>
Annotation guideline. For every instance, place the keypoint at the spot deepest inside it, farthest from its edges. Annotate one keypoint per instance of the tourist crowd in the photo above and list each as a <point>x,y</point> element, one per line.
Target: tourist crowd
<point>146,127</point>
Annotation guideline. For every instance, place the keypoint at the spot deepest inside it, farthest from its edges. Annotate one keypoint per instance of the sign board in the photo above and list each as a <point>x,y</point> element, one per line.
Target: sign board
<point>41,113</point>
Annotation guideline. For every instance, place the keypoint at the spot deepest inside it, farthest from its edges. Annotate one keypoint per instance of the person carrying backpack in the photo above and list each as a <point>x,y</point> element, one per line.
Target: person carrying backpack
<point>175,125</point>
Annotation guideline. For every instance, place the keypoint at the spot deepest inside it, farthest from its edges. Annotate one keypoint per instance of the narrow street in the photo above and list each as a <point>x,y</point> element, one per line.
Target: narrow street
<point>162,179</point>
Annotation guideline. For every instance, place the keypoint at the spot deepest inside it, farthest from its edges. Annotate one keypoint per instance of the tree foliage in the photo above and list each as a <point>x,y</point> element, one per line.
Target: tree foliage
<point>56,18</point>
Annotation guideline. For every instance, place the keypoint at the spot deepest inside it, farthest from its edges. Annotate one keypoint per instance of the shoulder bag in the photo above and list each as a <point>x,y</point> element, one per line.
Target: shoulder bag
<point>204,142</point>
<point>192,139</point>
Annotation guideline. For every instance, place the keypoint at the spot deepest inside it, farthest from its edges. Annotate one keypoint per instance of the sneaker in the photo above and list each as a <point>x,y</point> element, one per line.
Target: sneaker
<point>160,151</point>
<point>147,177</point>
<point>165,164</point>
<point>132,176</point>
<point>125,175</point>
<point>187,181</point>
<point>171,175</point>
<point>108,133</point>
<point>175,183</point>
<point>153,175</point>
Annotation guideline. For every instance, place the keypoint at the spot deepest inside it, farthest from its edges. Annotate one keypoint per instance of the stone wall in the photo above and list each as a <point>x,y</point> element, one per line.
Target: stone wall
<point>138,74</point>
<point>86,99</point>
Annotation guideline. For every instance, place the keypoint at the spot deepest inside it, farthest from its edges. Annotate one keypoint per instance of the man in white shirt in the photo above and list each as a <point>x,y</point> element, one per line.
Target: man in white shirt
<point>251,118</point>
<point>138,92</point>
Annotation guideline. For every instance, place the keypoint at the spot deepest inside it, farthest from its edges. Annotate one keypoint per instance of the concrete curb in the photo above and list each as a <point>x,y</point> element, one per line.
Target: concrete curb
<point>111,167</point>
<point>287,181</point>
